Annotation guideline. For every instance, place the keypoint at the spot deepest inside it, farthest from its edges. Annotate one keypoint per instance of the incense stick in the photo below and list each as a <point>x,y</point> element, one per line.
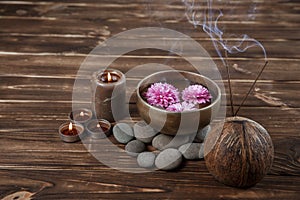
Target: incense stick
<point>229,83</point>
<point>253,84</point>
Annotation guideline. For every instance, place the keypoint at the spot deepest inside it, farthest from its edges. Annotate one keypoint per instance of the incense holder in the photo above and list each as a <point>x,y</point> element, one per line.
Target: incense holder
<point>238,153</point>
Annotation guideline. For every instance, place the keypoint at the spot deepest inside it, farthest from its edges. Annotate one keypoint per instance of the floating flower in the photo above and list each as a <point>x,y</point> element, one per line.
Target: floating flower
<point>179,107</point>
<point>196,94</point>
<point>162,95</point>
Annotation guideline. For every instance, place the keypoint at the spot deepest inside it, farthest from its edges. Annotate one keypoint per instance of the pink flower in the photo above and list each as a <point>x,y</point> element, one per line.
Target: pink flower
<point>162,95</point>
<point>196,94</point>
<point>179,107</point>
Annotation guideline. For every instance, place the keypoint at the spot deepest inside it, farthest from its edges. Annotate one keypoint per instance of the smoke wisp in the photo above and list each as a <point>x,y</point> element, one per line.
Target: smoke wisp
<point>201,14</point>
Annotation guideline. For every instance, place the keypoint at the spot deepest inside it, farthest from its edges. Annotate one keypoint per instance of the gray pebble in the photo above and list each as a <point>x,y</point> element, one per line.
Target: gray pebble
<point>123,133</point>
<point>201,152</point>
<point>146,159</point>
<point>162,141</point>
<point>134,147</point>
<point>200,136</point>
<point>144,132</point>
<point>191,151</point>
<point>168,159</point>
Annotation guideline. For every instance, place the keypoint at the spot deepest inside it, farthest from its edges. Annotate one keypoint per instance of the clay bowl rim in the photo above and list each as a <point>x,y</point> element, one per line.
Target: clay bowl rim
<point>216,100</point>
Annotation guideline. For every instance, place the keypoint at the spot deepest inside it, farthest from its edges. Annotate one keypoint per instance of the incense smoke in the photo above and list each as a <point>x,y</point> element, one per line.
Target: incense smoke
<point>202,14</point>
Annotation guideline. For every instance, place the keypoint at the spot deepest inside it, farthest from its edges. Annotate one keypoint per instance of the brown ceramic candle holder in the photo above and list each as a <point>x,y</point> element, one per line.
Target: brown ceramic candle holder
<point>99,129</point>
<point>70,132</point>
<point>80,115</point>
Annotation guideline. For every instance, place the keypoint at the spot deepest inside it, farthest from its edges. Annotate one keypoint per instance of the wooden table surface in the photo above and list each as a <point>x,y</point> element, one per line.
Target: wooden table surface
<point>43,44</point>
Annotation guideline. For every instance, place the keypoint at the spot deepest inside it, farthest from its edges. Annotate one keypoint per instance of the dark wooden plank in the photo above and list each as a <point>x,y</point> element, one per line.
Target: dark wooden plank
<point>267,93</point>
<point>100,185</point>
<point>51,66</point>
<point>50,26</point>
<point>32,44</point>
<point>153,8</point>
<point>276,120</point>
<point>49,14</point>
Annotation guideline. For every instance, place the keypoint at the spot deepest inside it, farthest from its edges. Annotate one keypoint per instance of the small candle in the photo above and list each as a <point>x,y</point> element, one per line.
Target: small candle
<point>70,132</point>
<point>80,115</point>
<point>109,90</point>
<point>99,128</point>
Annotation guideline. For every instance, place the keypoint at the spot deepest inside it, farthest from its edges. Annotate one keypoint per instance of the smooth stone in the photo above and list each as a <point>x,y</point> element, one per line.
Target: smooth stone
<point>168,159</point>
<point>163,141</point>
<point>143,132</point>
<point>123,133</point>
<point>134,147</point>
<point>201,152</point>
<point>146,159</point>
<point>191,151</point>
<point>200,136</point>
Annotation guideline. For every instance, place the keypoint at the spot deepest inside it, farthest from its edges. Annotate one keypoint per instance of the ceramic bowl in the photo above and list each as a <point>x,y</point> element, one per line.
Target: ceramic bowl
<point>178,123</point>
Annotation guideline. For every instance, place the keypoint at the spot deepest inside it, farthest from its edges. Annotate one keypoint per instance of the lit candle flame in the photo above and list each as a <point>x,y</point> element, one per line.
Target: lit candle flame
<point>81,114</point>
<point>70,126</point>
<point>109,79</point>
<point>98,125</point>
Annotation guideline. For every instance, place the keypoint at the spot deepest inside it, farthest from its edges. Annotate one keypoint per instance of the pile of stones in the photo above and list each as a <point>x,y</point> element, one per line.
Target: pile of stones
<point>167,152</point>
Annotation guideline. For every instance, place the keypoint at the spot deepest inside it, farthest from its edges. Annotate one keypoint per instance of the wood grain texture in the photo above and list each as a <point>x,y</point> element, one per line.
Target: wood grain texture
<point>42,45</point>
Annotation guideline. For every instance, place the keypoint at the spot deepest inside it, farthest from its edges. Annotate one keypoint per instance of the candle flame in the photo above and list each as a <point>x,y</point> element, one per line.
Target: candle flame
<point>98,125</point>
<point>81,114</point>
<point>109,79</point>
<point>70,126</point>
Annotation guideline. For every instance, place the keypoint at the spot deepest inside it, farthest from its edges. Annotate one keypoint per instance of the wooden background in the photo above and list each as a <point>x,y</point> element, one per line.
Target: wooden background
<point>42,45</point>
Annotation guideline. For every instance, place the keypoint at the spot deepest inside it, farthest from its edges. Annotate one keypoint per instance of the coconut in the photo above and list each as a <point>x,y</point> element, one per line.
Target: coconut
<point>238,153</point>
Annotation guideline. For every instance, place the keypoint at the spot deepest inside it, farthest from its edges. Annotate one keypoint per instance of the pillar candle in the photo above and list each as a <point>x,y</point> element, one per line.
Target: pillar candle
<point>109,94</point>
